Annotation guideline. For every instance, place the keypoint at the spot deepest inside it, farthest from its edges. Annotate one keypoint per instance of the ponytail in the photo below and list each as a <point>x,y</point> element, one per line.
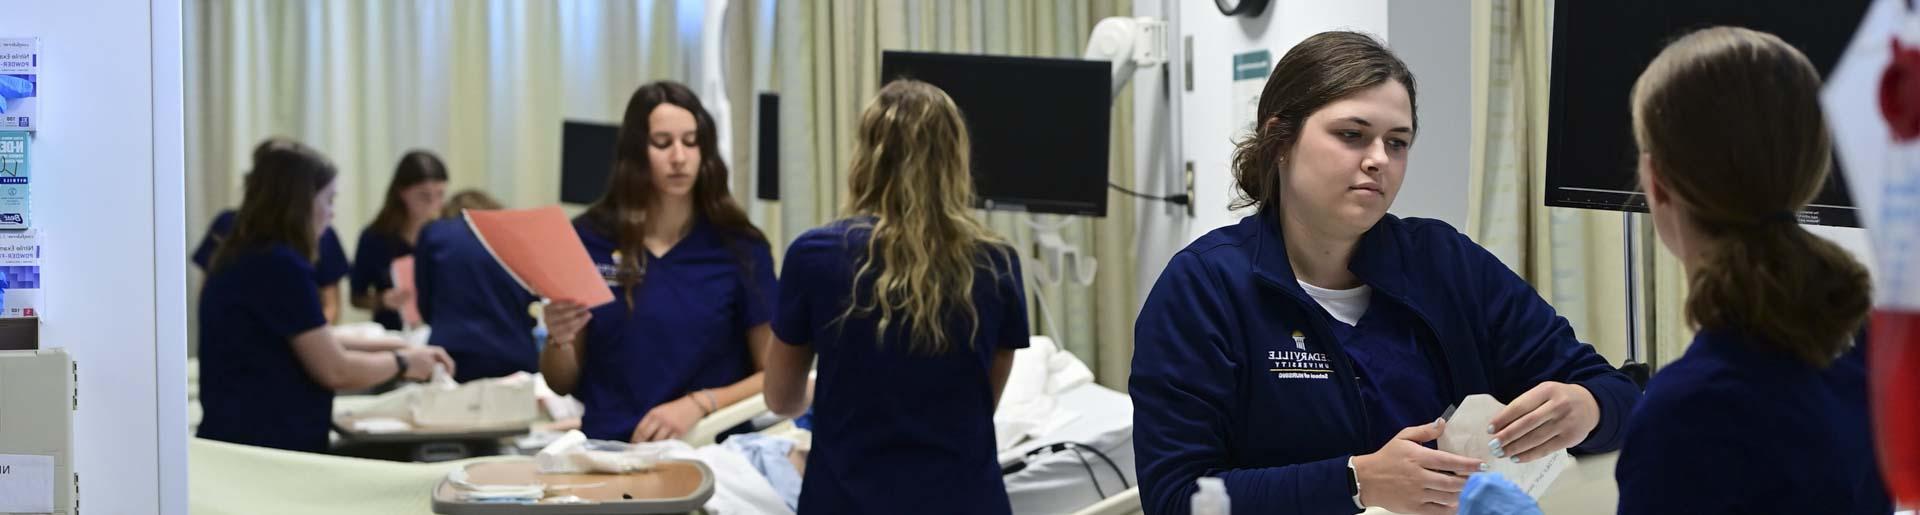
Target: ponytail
<point>1790,290</point>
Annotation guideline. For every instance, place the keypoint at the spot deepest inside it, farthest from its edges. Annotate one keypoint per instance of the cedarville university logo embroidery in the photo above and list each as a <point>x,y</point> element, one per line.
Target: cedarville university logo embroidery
<point>1298,363</point>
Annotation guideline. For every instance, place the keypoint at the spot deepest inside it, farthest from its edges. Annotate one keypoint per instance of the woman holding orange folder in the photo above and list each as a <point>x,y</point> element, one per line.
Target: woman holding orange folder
<point>692,280</point>
<point>477,310</point>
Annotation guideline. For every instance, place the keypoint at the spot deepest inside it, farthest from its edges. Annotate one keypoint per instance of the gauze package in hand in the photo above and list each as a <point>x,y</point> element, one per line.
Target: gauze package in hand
<point>1466,435</point>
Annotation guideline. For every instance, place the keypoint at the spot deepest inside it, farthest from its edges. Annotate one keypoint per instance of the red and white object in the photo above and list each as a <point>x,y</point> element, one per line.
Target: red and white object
<point>1872,102</point>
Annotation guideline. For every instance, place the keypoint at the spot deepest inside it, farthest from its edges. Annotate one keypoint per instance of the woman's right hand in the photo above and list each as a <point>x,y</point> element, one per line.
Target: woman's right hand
<point>396,298</point>
<point>565,321</point>
<point>420,361</point>
<point>1406,477</point>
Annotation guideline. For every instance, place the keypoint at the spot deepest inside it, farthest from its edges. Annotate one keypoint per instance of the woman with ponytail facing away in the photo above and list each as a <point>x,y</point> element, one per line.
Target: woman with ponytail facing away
<point>1767,411</point>
<point>914,308</point>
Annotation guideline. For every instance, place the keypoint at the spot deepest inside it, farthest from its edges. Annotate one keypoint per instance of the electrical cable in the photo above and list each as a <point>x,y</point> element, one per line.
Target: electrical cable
<point>1180,199</point>
<point>1076,448</point>
<point>1090,475</point>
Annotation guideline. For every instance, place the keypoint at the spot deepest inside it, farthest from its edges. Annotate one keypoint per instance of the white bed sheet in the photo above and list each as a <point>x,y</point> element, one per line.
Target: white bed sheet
<point>1059,483</point>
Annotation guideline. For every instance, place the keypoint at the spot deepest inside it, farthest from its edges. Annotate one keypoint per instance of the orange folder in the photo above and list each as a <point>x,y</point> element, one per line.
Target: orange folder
<point>403,280</point>
<point>540,250</point>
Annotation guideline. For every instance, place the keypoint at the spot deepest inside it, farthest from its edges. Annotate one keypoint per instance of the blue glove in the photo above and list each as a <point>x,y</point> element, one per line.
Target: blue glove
<point>806,420</point>
<point>1489,493</point>
<point>12,87</point>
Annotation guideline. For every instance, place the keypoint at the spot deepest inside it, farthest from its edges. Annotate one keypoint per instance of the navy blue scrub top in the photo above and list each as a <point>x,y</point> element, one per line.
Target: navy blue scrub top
<point>1221,389</point>
<point>252,385</point>
<point>477,310</point>
<point>895,431</point>
<point>1389,356</point>
<point>373,271</point>
<point>682,329</point>
<point>1732,427</point>
<point>331,267</point>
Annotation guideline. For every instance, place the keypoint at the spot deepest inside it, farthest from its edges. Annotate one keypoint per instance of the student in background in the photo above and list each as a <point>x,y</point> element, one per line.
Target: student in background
<point>914,308</point>
<point>692,280</point>
<point>327,270</point>
<point>478,312</point>
<point>414,197</point>
<point>268,365</point>
<point>1767,410</point>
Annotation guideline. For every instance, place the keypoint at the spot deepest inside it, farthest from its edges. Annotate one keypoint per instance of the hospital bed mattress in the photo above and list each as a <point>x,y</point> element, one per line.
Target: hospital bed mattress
<point>1059,482</point>
<point>231,479</point>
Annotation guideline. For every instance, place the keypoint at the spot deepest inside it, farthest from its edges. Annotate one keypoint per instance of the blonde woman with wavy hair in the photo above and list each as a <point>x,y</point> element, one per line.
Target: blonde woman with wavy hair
<point>914,308</point>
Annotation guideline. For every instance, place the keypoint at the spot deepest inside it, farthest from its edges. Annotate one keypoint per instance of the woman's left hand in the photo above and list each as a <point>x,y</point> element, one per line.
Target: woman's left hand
<point>1550,417</point>
<point>668,421</point>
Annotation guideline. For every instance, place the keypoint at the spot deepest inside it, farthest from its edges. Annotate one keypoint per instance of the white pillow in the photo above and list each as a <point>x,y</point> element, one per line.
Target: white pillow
<point>1025,402</point>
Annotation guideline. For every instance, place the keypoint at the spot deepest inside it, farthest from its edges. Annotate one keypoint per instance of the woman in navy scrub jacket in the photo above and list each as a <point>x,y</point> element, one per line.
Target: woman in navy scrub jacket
<point>915,309</point>
<point>1305,354</point>
<point>477,310</point>
<point>692,280</point>
<point>268,365</point>
<point>1767,410</point>
<point>414,197</point>
<point>327,270</point>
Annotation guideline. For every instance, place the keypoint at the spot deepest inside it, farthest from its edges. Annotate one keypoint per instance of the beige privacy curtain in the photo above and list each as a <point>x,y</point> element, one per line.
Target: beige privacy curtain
<point>485,84</point>
<point>1574,257</point>
<point>829,65</point>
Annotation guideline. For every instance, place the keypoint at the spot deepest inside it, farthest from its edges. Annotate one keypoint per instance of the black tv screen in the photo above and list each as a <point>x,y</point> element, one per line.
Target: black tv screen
<point>1038,125</point>
<point>1599,49</point>
<point>586,159</point>
<point>767,145</point>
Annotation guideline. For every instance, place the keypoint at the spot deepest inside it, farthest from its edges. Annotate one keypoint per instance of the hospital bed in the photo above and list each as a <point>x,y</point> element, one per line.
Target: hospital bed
<point>229,479</point>
<point>1068,441</point>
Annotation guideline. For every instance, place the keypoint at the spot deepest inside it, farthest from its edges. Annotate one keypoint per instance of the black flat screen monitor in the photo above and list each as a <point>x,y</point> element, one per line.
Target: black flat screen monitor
<point>1038,126</point>
<point>1599,49</point>
<point>586,159</point>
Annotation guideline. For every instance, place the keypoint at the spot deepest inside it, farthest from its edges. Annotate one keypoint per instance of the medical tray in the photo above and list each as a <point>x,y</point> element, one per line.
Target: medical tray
<point>672,486</point>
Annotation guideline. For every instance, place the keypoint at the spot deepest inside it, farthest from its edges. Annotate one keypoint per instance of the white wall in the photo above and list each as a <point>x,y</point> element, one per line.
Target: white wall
<point>107,165</point>
<point>1854,240</point>
<point>1433,37</point>
<point>1161,228</point>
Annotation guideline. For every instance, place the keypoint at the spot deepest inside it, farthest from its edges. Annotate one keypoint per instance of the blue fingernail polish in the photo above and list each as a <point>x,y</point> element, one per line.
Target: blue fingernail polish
<point>1497,453</point>
<point>1484,467</point>
<point>1516,459</point>
<point>1494,443</point>
<point>1489,428</point>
